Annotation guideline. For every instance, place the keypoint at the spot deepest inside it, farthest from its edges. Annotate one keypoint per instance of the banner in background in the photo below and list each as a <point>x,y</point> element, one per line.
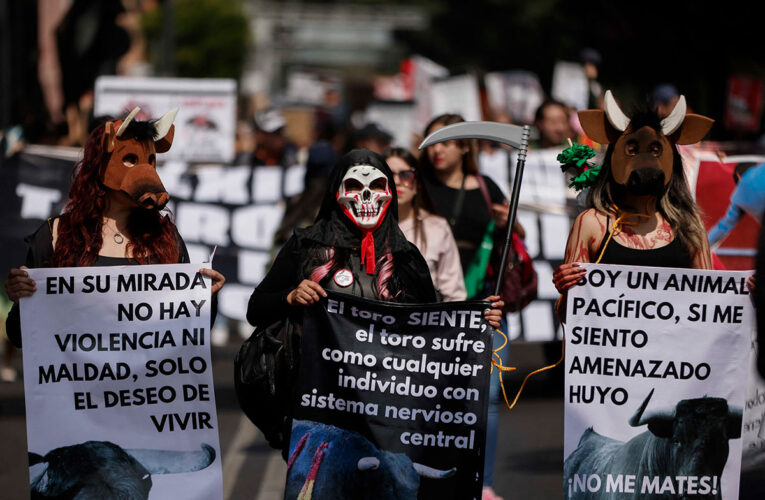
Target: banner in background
<point>391,397</point>
<point>205,127</point>
<point>656,367</point>
<point>713,186</point>
<point>118,382</point>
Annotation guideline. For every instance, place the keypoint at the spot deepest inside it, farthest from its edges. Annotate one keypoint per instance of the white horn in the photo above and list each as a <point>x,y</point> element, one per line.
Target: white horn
<point>614,113</point>
<point>162,126</point>
<point>671,123</point>
<point>127,121</point>
<point>425,471</point>
<point>368,463</point>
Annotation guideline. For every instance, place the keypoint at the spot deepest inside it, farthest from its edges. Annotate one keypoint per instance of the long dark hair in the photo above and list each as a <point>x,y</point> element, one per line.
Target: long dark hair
<point>469,160</point>
<point>421,201</point>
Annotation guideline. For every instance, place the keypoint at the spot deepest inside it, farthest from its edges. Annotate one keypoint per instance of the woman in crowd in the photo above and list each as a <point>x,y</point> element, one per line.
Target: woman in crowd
<point>429,232</point>
<point>641,211</point>
<point>114,213</point>
<point>473,205</point>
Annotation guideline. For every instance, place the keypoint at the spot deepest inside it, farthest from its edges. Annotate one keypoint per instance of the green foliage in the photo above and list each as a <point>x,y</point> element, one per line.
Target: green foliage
<point>211,37</point>
<point>575,158</point>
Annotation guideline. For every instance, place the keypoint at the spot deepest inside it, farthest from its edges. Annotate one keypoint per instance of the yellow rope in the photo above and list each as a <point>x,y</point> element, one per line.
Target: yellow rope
<point>616,228</point>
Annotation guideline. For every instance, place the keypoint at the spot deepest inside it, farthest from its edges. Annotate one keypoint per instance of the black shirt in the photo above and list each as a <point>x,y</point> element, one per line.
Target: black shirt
<point>472,220</point>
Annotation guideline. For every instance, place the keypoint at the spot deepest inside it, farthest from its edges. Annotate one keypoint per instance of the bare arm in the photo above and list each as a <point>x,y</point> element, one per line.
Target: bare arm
<point>583,240</point>
<point>702,259</point>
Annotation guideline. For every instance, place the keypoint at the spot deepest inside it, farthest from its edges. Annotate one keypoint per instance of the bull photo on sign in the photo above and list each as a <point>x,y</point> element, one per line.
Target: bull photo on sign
<point>688,441</point>
<point>101,470</point>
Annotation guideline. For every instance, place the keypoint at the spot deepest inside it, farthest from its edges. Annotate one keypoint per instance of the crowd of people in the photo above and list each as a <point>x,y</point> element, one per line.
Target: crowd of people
<point>423,240</point>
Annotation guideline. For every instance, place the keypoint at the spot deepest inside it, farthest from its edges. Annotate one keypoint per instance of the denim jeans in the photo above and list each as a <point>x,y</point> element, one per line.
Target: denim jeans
<point>492,423</point>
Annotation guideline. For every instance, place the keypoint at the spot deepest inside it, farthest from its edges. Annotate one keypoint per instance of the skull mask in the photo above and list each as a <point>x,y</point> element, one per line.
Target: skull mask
<point>364,195</point>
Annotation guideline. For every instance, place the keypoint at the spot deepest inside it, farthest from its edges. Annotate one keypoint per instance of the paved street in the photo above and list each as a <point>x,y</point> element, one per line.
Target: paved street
<point>529,460</point>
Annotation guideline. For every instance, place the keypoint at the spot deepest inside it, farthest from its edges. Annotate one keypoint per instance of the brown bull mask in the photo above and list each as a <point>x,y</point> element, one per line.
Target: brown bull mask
<point>131,166</point>
<point>643,157</point>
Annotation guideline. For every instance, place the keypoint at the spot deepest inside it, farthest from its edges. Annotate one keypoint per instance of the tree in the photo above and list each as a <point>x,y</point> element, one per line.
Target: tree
<point>210,37</point>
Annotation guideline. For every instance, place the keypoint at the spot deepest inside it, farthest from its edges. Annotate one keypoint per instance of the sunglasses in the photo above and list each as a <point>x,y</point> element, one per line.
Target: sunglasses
<point>406,177</point>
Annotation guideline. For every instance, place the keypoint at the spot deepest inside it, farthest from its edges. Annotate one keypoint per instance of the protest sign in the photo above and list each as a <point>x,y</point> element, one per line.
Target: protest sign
<point>118,375</point>
<point>656,367</point>
<point>205,125</point>
<point>753,432</point>
<point>391,397</point>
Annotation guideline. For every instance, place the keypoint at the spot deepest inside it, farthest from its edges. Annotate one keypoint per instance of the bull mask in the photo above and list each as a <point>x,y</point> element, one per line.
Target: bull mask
<point>364,195</point>
<point>131,167</point>
<point>642,159</point>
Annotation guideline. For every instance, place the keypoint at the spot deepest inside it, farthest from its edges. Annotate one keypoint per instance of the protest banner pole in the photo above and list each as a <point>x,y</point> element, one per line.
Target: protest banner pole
<point>512,135</point>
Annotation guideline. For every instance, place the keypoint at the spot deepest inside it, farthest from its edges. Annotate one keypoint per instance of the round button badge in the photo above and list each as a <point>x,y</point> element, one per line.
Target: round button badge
<point>344,278</point>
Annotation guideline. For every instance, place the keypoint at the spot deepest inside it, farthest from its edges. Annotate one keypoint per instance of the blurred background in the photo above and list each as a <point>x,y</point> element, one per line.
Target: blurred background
<point>272,92</point>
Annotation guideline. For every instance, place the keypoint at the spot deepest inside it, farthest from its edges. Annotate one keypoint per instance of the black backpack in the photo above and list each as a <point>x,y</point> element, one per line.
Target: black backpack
<point>264,373</point>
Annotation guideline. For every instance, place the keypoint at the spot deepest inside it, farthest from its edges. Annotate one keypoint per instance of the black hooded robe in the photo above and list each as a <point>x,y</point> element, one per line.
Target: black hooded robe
<point>307,249</point>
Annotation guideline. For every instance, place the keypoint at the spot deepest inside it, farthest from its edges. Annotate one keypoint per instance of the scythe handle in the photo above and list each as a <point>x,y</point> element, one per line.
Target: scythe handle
<point>513,208</point>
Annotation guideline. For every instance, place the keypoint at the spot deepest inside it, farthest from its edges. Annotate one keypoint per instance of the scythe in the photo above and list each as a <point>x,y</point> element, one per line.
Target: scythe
<point>512,135</point>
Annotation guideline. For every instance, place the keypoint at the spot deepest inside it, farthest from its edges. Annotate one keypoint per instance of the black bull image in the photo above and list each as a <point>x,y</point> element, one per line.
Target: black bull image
<point>104,471</point>
<point>690,439</point>
<point>328,462</point>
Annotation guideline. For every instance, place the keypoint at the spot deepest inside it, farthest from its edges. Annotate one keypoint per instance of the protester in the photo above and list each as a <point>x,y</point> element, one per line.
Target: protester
<point>552,121</point>
<point>428,231</point>
<point>367,256</point>
<point>591,61</point>
<point>272,148</point>
<point>747,198</point>
<point>114,214</point>
<point>640,209</point>
<point>354,247</point>
<point>664,98</point>
<point>371,137</point>
<point>452,180</point>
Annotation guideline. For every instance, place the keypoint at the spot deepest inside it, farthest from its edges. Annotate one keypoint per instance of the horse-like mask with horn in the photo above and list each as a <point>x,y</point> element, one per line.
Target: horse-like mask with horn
<point>643,158</point>
<point>131,165</point>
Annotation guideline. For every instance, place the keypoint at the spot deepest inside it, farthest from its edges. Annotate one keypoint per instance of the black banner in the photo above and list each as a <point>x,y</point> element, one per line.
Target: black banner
<point>391,401</point>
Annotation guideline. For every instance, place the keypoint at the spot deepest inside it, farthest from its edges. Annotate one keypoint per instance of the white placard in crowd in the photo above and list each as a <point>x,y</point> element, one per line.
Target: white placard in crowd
<point>397,118</point>
<point>656,369</point>
<point>570,85</point>
<point>119,376</point>
<point>517,92</point>
<point>456,94</point>
<point>205,127</point>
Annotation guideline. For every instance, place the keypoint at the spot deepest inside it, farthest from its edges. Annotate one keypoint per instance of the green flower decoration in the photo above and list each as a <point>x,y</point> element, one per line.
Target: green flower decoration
<point>575,157</point>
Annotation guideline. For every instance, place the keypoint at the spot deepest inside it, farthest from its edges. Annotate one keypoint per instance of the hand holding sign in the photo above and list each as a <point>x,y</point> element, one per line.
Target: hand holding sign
<point>19,284</point>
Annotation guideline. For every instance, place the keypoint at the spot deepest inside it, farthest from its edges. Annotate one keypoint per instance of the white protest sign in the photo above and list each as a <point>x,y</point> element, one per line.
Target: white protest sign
<point>656,367</point>
<point>570,85</point>
<point>206,120</point>
<point>117,363</point>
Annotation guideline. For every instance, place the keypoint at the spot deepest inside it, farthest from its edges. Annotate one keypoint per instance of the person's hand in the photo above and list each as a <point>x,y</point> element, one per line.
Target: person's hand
<point>751,282</point>
<point>566,276</point>
<point>306,293</point>
<point>494,315</point>
<point>19,284</point>
<point>499,214</point>
<point>218,280</point>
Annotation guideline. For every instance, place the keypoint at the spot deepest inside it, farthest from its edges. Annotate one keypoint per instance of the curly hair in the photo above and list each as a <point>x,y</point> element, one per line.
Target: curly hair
<point>152,235</point>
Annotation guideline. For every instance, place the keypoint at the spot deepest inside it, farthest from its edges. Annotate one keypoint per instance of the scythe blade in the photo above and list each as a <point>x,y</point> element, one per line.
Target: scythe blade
<point>512,135</point>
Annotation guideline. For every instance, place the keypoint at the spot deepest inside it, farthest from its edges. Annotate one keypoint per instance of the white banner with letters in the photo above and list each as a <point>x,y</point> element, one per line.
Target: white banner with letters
<point>657,361</point>
<point>118,382</point>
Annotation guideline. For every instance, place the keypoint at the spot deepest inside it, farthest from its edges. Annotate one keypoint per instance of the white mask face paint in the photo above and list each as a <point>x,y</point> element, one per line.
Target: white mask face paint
<point>364,194</point>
